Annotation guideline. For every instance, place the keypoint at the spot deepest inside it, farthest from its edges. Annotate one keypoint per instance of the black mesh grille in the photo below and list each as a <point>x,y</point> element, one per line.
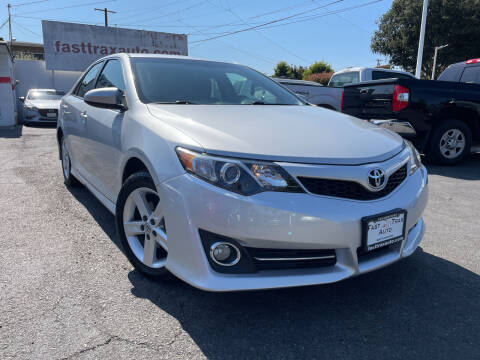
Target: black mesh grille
<point>276,259</point>
<point>352,190</point>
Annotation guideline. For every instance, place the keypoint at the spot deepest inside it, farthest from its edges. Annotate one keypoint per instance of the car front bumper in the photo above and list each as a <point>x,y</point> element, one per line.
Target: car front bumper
<point>281,221</point>
<point>36,117</point>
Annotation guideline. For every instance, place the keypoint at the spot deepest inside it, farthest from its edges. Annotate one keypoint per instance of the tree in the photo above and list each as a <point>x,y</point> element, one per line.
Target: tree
<point>322,78</point>
<point>316,68</point>
<point>296,72</point>
<point>452,22</point>
<point>282,70</point>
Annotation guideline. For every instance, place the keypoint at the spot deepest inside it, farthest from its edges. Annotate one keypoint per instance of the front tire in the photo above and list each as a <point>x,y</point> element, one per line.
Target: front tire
<point>450,142</point>
<point>141,227</point>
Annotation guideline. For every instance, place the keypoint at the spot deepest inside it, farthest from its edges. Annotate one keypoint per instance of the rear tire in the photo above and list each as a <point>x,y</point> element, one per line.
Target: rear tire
<point>141,226</point>
<point>450,143</point>
<point>68,179</point>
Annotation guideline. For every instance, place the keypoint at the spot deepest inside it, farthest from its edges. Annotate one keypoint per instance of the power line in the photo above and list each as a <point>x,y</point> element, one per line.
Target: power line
<point>269,22</point>
<point>332,12</point>
<point>169,14</point>
<point>270,61</point>
<point>27,29</point>
<point>263,35</point>
<point>29,3</point>
<point>4,23</point>
<point>137,13</point>
<point>67,7</point>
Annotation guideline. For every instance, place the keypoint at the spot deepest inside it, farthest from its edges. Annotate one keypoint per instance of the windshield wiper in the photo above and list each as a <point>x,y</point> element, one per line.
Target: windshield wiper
<point>180,102</point>
<point>259,102</point>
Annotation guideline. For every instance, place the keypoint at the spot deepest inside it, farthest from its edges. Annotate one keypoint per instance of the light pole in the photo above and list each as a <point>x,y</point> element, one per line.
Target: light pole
<point>421,42</point>
<point>435,59</point>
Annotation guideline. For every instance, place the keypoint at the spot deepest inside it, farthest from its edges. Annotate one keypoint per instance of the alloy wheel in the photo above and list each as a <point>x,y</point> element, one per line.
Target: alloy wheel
<point>452,143</point>
<point>144,226</point>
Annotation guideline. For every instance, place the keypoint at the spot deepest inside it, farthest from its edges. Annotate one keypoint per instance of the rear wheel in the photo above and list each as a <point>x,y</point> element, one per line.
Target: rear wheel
<point>141,225</point>
<point>68,178</point>
<point>450,142</point>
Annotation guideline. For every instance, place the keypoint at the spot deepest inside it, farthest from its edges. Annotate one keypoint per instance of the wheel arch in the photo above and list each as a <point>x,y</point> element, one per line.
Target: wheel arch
<point>469,116</point>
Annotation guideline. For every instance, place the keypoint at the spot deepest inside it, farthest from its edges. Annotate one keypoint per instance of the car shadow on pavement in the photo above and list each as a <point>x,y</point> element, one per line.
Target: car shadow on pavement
<point>11,133</point>
<point>46,125</point>
<point>422,307</point>
<point>469,169</point>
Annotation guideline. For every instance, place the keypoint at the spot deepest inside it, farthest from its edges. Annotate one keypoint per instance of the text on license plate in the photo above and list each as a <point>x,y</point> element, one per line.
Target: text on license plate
<point>385,230</point>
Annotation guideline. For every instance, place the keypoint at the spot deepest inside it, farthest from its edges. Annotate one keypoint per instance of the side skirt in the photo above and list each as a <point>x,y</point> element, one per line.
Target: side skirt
<point>106,202</point>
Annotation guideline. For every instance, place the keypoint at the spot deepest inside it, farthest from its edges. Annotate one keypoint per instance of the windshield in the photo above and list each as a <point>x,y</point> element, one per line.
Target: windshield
<point>180,81</point>
<point>45,95</point>
<point>341,79</point>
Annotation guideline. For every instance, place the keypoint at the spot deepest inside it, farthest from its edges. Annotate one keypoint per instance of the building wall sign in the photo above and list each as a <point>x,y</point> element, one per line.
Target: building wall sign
<point>74,47</point>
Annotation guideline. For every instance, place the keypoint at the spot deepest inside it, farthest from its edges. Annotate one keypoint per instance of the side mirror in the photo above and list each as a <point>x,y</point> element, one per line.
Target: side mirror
<point>110,98</point>
<point>22,98</point>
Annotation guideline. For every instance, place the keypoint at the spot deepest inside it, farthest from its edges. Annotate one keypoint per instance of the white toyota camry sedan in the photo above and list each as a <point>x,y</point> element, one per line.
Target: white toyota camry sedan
<point>222,177</point>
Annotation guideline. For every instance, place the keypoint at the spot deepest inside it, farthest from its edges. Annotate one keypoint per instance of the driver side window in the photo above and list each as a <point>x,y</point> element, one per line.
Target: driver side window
<point>111,76</point>
<point>88,81</point>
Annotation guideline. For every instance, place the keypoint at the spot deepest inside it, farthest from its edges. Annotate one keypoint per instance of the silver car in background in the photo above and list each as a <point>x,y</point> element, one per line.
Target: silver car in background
<point>219,175</point>
<point>41,105</point>
<point>314,93</point>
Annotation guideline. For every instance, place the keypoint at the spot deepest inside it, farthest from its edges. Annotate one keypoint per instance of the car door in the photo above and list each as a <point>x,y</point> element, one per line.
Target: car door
<point>74,121</point>
<point>103,129</point>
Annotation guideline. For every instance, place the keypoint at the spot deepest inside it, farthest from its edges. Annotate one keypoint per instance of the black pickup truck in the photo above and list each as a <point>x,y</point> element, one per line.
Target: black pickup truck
<point>442,118</point>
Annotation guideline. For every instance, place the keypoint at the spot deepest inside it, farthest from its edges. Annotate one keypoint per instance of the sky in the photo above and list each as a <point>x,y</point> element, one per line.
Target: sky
<point>298,32</point>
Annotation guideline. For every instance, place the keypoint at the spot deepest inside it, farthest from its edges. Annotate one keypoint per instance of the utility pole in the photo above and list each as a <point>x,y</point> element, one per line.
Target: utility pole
<point>10,25</point>
<point>421,42</point>
<point>106,11</point>
<point>435,59</point>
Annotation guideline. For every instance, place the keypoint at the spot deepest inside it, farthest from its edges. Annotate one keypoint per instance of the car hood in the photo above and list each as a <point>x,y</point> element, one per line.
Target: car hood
<point>306,134</point>
<point>43,104</point>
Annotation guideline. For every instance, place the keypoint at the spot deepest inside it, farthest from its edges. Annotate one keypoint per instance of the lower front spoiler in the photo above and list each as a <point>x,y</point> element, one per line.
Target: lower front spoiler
<point>349,264</point>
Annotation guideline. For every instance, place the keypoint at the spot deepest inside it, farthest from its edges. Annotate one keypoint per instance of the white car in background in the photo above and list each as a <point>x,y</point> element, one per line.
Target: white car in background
<point>355,75</point>
<point>41,105</point>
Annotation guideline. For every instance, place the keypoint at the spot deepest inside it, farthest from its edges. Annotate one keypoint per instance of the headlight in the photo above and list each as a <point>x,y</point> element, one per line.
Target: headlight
<point>31,108</point>
<point>415,160</point>
<point>245,177</point>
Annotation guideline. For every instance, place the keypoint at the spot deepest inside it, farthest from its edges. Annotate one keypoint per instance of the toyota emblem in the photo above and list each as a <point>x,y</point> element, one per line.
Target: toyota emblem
<point>376,179</point>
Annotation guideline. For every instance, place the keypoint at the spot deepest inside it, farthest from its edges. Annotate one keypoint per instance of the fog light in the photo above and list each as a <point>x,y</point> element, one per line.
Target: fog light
<point>225,254</point>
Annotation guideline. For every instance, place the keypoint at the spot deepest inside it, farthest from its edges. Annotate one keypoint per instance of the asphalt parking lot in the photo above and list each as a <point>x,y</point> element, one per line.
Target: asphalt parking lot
<point>68,292</point>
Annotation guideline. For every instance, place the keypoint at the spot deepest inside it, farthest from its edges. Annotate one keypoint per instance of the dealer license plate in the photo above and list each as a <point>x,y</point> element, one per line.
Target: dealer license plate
<point>52,115</point>
<point>383,230</point>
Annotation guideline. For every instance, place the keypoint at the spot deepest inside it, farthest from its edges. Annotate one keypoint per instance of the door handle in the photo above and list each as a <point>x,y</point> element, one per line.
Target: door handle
<point>83,115</point>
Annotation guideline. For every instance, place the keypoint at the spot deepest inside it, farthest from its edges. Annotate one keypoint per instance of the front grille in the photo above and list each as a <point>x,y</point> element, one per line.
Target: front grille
<point>44,112</point>
<point>277,259</point>
<point>350,189</point>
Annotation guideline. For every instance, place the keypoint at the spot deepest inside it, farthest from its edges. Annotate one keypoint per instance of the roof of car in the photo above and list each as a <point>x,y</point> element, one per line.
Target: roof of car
<point>296,81</point>
<point>42,90</point>
<point>465,63</point>
<point>371,68</point>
